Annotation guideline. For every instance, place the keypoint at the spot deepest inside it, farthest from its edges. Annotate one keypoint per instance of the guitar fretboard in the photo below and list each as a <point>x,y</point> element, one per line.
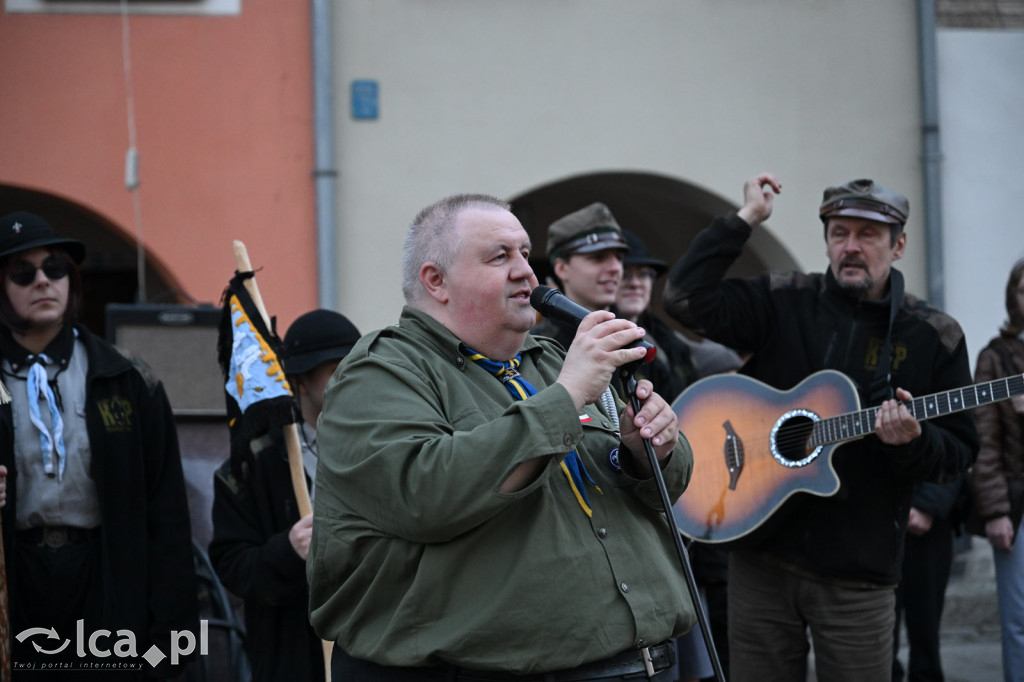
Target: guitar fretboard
<point>861,423</point>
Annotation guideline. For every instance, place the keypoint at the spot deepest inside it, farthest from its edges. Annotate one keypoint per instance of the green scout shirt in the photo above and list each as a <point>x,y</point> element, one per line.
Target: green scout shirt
<point>417,558</point>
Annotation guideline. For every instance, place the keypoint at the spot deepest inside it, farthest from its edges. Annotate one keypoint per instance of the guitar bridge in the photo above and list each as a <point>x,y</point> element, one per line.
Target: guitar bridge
<point>733,454</point>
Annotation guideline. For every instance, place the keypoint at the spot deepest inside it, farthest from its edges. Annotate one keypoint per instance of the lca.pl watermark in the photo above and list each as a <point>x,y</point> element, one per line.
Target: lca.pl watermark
<point>99,645</point>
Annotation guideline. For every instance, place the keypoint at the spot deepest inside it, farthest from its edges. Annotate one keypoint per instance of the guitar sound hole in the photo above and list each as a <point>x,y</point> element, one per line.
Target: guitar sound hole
<point>791,438</point>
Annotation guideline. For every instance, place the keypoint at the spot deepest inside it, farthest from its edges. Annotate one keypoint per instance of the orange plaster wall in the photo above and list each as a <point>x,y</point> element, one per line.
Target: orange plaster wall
<point>223,110</point>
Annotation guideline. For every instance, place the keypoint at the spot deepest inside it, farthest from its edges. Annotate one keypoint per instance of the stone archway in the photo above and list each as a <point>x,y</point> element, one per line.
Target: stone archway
<point>110,270</point>
<point>110,275</point>
<point>665,212</point>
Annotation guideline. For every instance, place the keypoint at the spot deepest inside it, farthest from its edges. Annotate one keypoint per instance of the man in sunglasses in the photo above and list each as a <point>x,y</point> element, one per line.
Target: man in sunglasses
<point>96,528</point>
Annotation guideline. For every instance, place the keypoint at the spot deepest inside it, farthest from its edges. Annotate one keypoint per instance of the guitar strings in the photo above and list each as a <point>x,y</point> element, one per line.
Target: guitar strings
<point>797,438</point>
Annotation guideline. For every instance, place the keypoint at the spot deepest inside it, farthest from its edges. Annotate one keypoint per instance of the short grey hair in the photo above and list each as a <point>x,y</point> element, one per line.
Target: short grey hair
<point>432,239</point>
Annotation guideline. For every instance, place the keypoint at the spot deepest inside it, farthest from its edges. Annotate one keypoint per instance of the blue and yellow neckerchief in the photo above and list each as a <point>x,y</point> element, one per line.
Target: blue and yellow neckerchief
<point>521,389</point>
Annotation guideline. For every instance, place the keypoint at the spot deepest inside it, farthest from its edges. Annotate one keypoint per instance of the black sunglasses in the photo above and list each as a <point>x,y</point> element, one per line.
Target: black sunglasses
<point>55,267</point>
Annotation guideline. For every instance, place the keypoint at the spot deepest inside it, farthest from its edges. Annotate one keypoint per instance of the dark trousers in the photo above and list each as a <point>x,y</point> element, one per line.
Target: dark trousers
<point>919,598</point>
<point>55,587</point>
<point>718,619</point>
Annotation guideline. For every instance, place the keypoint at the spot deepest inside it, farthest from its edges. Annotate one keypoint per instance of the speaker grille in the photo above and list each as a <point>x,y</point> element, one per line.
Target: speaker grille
<point>180,345</point>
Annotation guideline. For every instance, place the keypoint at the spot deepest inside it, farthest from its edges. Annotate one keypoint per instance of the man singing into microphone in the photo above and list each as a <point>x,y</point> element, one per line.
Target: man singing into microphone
<point>477,516</point>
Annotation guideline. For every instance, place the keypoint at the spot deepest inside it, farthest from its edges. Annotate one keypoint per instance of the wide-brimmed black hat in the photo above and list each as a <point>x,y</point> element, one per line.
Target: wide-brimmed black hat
<point>317,337</point>
<point>637,254</point>
<point>22,231</point>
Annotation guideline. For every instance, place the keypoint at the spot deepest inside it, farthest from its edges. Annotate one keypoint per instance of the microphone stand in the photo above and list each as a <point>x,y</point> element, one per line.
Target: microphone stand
<point>629,382</point>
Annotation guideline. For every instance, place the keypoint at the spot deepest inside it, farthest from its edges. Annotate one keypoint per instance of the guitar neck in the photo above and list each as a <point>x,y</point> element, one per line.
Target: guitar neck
<point>857,424</point>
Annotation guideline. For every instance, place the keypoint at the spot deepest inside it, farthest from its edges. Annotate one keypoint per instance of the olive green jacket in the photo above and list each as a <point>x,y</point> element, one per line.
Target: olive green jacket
<point>418,559</point>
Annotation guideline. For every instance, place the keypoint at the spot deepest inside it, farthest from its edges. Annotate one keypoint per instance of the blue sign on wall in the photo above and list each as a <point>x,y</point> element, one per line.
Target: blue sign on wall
<point>365,99</point>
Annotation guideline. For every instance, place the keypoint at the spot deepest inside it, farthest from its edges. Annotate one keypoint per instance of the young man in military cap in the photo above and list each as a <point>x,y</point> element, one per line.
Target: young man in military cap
<point>260,544</point>
<point>585,249</point>
<point>830,564</point>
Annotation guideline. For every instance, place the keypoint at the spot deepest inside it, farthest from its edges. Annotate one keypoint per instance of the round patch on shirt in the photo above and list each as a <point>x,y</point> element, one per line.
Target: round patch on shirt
<point>613,460</point>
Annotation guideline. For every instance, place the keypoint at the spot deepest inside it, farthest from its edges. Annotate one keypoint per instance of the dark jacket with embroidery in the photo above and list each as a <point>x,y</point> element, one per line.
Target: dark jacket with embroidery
<point>797,324</point>
<point>147,566</point>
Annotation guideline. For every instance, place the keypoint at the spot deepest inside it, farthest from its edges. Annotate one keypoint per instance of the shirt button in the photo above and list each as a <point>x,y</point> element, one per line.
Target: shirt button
<point>602,533</point>
<point>624,587</point>
<point>566,439</point>
<point>460,361</point>
<point>606,425</point>
<point>640,644</point>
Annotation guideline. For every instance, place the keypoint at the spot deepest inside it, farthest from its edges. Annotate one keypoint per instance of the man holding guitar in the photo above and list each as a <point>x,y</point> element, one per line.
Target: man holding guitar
<point>826,562</point>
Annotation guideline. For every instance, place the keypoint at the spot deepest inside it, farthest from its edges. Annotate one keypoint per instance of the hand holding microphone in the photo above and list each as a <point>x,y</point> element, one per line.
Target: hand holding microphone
<point>602,344</point>
<point>554,304</point>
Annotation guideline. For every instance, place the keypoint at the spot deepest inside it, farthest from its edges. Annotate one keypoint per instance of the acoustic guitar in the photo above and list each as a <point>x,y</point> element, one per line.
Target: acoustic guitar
<point>755,446</point>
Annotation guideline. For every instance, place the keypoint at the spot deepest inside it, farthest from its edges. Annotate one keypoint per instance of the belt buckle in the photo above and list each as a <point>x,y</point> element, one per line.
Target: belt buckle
<point>645,654</point>
<point>55,537</point>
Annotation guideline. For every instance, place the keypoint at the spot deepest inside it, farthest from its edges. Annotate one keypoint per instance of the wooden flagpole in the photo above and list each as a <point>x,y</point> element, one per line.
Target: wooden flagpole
<point>291,431</point>
<point>5,612</point>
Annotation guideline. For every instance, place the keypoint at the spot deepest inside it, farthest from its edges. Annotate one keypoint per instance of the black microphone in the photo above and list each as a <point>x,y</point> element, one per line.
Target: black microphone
<point>556,305</point>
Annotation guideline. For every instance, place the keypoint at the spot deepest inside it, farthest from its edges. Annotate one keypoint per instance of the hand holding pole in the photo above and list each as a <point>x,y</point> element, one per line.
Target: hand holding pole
<point>291,431</point>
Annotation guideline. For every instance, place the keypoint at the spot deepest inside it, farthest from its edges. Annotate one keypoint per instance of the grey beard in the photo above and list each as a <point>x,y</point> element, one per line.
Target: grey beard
<point>859,288</point>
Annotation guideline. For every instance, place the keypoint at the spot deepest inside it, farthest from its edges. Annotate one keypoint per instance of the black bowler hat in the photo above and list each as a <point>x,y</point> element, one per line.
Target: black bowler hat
<point>317,337</point>
<point>637,254</point>
<point>23,231</point>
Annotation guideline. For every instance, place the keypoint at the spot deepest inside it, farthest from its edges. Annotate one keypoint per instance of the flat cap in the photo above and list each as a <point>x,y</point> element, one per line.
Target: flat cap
<point>590,229</point>
<point>864,198</point>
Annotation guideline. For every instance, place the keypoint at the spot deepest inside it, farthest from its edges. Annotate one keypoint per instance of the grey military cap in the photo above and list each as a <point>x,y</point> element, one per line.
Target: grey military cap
<point>864,198</point>
<point>592,228</point>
